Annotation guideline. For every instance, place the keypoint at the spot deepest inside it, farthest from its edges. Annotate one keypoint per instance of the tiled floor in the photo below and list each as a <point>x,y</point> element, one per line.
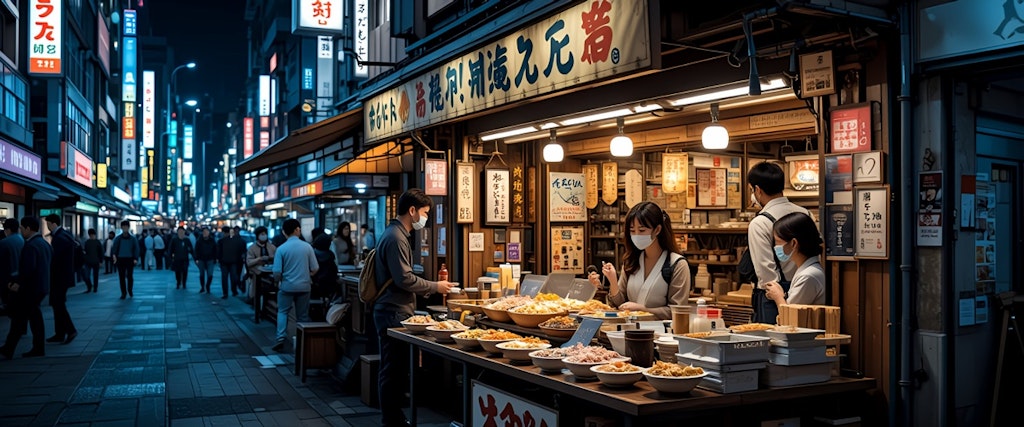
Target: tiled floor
<point>169,357</point>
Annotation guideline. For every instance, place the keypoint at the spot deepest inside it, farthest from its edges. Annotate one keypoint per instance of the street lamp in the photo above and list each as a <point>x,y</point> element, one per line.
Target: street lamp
<point>171,83</point>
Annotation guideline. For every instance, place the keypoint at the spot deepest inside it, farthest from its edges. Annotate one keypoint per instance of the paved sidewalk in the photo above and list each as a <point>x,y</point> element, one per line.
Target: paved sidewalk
<point>169,357</point>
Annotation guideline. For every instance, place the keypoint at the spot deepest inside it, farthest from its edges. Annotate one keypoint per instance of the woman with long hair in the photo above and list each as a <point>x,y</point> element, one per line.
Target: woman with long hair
<point>797,239</point>
<point>650,247</point>
<point>342,246</point>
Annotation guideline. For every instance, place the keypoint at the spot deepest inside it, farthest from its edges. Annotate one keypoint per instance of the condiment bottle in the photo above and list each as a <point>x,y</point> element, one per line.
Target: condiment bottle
<point>442,274</point>
<point>714,318</point>
<point>699,323</point>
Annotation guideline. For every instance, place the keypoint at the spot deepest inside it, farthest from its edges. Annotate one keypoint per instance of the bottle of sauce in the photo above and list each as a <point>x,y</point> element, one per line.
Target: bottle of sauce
<point>700,323</point>
<point>442,274</point>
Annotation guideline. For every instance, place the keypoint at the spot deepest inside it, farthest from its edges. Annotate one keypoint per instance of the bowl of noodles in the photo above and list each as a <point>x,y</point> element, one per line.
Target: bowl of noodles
<point>673,377</point>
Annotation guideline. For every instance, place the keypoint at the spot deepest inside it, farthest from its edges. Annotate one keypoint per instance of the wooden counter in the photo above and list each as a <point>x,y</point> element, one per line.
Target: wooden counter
<point>635,403</point>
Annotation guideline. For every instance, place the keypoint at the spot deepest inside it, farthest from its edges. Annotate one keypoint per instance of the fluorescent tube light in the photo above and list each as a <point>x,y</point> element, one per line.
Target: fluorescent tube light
<point>597,117</point>
<point>508,133</point>
<point>732,92</point>
<point>275,206</point>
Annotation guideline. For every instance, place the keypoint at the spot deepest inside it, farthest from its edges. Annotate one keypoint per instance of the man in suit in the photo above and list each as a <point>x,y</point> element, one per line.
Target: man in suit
<point>28,288</point>
<point>62,278</point>
<point>10,255</point>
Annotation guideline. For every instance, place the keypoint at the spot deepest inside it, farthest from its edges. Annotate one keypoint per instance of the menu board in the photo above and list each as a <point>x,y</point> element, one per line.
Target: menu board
<point>565,196</point>
<point>435,175</point>
<point>496,196</point>
<point>674,170</point>
<point>872,207</point>
<point>851,129</point>
<point>711,187</point>
<point>464,201</point>
<point>609,182</point>
<point>634,188</point>
<point>567,249</point>
<point>590,182</point>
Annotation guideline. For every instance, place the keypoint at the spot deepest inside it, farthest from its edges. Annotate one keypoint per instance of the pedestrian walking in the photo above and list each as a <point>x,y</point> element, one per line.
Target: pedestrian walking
<point>206,257</point>
<point>232,253</point>
<point>10,255</point>
<point>141,261</point>
<point>28,288</point>
<point>167,235</point>
<point>108,258</point>
<point>398,301</point>
<point>62,278</point>
<point>125,253</point>
<point>180,250</point>
<point>259,259</point>
<point>159,247</point>
<point>294,265</point>
<point>93,256</point>
<point>149,244</point>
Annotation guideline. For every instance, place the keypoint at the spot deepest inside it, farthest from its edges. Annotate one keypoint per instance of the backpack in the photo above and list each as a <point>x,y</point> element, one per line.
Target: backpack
<point>746,266</point>
<point>369,289</point>
<point>668,268</point>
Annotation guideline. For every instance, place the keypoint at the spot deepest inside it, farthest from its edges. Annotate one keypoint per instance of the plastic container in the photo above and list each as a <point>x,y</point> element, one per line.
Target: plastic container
<point>725,349</point>
<point>681,319</point>
<point>782,376</point>
<point>640,346</point>
<point>720,378</point>
<point>715,322</point>
<point>699,322</point>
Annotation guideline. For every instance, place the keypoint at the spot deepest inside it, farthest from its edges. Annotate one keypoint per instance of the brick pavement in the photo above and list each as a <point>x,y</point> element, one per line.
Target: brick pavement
<point>169,357</point>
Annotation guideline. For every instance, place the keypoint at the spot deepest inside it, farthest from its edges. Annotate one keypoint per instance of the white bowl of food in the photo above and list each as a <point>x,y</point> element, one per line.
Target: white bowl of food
<point>519,350</point>
<point>418,324</point>
<point>618,374</point>
<point>549,360</point>
<point>467,340</point>
<point>673,378</point>
<point>490,339</point>
<point>442,331</point>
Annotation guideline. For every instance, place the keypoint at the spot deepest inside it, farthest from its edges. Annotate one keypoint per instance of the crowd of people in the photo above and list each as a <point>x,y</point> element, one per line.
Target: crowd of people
<point>37,260</point>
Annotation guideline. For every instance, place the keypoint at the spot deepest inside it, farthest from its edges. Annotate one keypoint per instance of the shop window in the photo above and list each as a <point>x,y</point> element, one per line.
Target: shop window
<point>14,91</point>
<point>8,35</point>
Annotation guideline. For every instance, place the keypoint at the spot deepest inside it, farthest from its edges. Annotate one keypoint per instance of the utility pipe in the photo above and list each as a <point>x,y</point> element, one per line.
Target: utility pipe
<point>907,218</point>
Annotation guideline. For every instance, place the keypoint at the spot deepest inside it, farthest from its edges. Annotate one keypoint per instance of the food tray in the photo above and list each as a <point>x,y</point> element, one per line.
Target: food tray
<point>725,349</point>
<point>797,356</point>
<point>726,378</point>
<point>782,376</point>
<point>800,334</point>
<point>473,305</point>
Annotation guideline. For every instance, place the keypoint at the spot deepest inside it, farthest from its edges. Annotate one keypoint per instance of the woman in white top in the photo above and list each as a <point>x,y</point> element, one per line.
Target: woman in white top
<point>797,239</point>
<point>650,244</point>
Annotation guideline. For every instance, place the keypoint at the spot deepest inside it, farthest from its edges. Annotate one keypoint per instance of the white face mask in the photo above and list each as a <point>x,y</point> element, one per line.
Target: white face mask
<point>642,241</point>
<point>754,201</point>
<point>418,225</point>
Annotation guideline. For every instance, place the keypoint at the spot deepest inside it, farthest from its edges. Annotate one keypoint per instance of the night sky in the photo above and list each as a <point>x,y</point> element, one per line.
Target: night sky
<point>213,34</point>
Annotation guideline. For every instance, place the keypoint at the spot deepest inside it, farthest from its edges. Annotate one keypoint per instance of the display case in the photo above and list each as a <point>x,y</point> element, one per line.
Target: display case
<point>605,232</point>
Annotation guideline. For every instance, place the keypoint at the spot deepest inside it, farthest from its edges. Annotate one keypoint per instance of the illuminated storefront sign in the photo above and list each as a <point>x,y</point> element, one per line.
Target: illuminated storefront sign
<point>148,110</point>
<point>103,42</point>
<point>591,41</point>
<point>264,106</point>
<point>19,161</point>
<point>129,145</point>
<point>188,142</point>
<point>323,16</point>
<point>361,35</point>
<point>46,20</point>
<point>309,189</point>
<point>247,137</point>
<point>77,165</point>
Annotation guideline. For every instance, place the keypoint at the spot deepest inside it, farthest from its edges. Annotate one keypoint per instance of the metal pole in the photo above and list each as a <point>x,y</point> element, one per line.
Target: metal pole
<point>905,408</point>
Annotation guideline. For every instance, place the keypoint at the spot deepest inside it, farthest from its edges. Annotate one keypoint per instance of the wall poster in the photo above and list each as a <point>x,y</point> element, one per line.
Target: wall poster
<point>565,197</point>
<point>985,237</point>
<point>567,249</point>
<point>851,129</point>
<point>711,188</point>
<point>465,197</point>
<point>590,182</point>
<point>929,209</point>
<point>839,231</point>
<point>838,175</point>
<point>496,196</point>
<point>435,175</point>
<point>872,207</point>
<point>674,168</point>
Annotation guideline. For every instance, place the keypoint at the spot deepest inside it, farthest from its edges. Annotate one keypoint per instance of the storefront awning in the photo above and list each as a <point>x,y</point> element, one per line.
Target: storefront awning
<point>81,193</point>
<point>43,191</point>
<point>303,141</point>
<point>389,157</point>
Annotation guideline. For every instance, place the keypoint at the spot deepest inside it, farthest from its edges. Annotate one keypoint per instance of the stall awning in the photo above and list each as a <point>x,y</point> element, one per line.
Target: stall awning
<point>43,191</point>
<point>303,141</point>
<point>389,157</point>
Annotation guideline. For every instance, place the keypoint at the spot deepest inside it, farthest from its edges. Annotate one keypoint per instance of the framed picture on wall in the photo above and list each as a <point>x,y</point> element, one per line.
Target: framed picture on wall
<point>499,235</point>
<point>867,167</point>
<point>871,205</point>
<point>496,196</point>
<point>851,128</point>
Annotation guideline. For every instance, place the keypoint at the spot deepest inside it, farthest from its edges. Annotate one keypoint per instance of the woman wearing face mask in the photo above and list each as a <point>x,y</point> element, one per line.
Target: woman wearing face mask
<point>650,245</point>
<point>259,259</point>
<point>797,239</point>
<point>342,246</point>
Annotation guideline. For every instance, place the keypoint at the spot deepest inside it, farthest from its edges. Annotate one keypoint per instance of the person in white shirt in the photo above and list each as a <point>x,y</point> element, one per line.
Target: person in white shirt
<point>158,247</point>
<point>150,256</point>
<point>767,181</point>
<point>797,240</point>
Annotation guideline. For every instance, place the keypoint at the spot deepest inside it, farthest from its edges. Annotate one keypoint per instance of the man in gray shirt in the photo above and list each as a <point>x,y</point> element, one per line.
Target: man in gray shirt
<point>767,181</point>
<point>397,302</point>
<point>294,267</point>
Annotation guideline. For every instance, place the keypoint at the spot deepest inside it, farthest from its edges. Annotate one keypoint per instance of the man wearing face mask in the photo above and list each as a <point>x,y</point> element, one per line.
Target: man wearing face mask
<point>767,181</point>
<point>258,259</point>
<point>398,301</point>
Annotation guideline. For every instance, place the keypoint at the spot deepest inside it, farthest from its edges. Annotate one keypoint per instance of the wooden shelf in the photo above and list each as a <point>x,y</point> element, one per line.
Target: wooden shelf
<point>715,230</point>
<point>704,261</point>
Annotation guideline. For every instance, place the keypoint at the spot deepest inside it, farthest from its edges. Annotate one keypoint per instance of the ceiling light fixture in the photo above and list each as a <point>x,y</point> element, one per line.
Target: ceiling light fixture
<point>730,91</point>
<point>621,145</point>
<point>553,152</point>
<point>597,117</point>
<point>715,136</point>
<point>508,133</point>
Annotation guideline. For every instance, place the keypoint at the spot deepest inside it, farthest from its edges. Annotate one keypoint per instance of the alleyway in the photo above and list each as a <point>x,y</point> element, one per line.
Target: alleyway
<point>169,357</point>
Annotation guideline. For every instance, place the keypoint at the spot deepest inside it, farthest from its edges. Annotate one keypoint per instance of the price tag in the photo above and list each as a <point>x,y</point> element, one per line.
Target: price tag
<point>585,333</point>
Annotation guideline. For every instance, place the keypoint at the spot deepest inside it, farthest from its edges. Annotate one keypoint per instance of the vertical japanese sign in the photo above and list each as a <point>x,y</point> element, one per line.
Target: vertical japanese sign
<point>531,194</point>
<point>634,187</point>
<point>590,182</point>
<point>518,193</point>
<point>587,42</point>
<point>851,129</point>
<point>465,173</point>
<point>187,150</point>
<point>565,197</point>
<point>129,144</point>
<point>872,207</point>
<point>317,15</point>
<point>247,137</point>
<point>148,109</point>
<point>609,182</point>
<point>103,42</point>
<point>324,76</point>
<point>674,170</point>
<point>435,176</point>
<point>496,196</point>
<point>493,407</point>
<point>361,35</point>
<point>46,18</point>
<point>264,88</point>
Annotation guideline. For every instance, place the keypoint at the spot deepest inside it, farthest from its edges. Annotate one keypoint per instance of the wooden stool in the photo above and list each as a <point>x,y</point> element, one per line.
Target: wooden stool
<point>315,347</point>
